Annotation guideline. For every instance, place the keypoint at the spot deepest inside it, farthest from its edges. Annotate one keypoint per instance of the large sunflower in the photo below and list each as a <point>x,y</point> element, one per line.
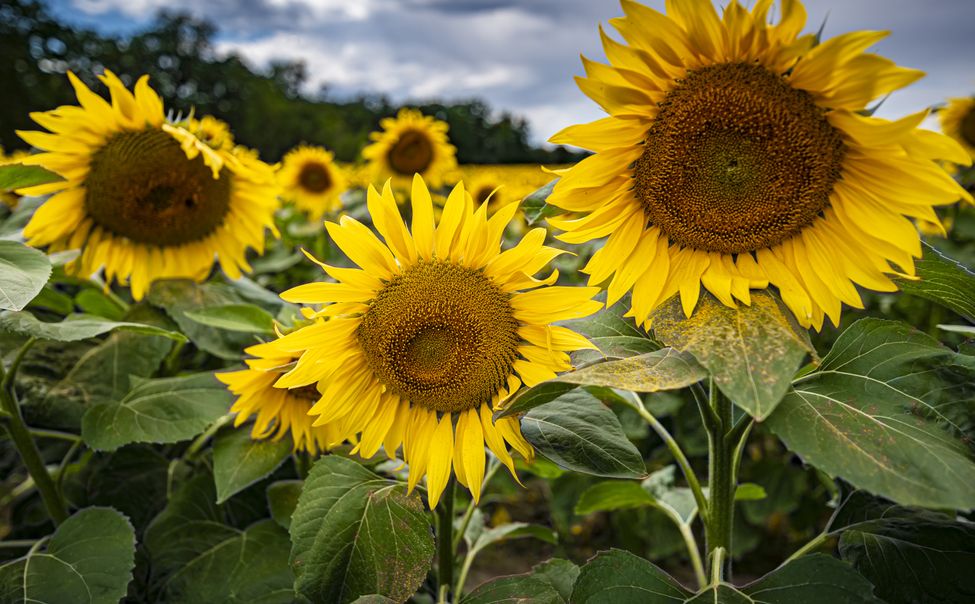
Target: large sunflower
<point>958,122</point>
<point>411,143</point>
<point>437,326</point>
<point>311,179</point>
<point>143,197</point>
<point>738,154</point>
<point>277,411</point>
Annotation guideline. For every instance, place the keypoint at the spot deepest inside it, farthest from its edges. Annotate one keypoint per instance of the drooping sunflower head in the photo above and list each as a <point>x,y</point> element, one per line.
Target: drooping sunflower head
<point>435,328</point>
<point>737,154</point>
<point>311,179</point>
<point>958,122</point>
<point>144,198</point>
<point>410,143</point>
<point>276,411</point>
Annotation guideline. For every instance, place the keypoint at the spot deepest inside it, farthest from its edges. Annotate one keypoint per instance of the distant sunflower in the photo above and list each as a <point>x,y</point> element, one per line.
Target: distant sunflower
<point>434,328</point>
<point>737,154</point>
<point>277,411</point>
<point>411,143</point>
<point>958,122</point>
<point>311,179</point>
<point>145,198</point>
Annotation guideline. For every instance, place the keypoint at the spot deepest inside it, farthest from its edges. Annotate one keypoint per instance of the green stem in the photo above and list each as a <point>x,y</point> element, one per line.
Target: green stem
<point>493,466</point>
<point>445,540</point>
<point>20,435</point>
<point>717,560</point>
<point>694,553</point>
<point>464,569</point>
<point>39,433</point>
<point>197,445</point>
<point>721,487</point>
<point>679,457</point>
<point>815,543</point>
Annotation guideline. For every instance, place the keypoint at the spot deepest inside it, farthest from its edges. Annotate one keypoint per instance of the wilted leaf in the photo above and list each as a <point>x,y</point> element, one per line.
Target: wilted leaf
<point>664,369</point>
<point>23,272</point>
<point>752,351</point>
<point>885,411</point>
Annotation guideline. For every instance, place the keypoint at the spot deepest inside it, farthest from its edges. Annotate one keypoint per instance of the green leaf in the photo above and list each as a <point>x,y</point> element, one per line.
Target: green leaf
<point>177,297</point>
<point>534,206</point>
<point>613,495</point>
<point>579,433</point>
<point>355,533</point>
<point>239,460</point>
<point>282,499</point>
<point>23,272</point>
<point>102,375</point>
<point>246,318</point>
<point>164,410</point>
<point>749,491</point>
<point>917,557</point>
<point>75,327</point>
<point>53,300</point>
<point>514,590</point>
<point>512,530</point>
<point>89,560</point>
<point>528,398</point>
<point>664,369</point>
<point>752,351</point>
<point>944,281</point>
<point>19,176</point>
<point>812,578</point>
<point>616,336</point>
<point>132,480</point>
<point>560,574</point>
<point>249,567</point>
<point>621,578</point>
<point>94,302</point>
<point>886,411</point>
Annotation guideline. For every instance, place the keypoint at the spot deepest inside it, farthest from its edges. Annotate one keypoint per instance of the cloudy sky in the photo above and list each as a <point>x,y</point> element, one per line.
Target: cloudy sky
<point>519,55</point>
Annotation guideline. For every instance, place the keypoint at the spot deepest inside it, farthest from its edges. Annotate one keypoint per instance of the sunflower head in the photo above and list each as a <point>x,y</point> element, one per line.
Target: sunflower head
<point>738,154</point>
<point>144,198</point>
<point>276,411</point>
<point>435,328</point>
<point>410,143</point>
<point>311,179</point>
<point>958,122</point>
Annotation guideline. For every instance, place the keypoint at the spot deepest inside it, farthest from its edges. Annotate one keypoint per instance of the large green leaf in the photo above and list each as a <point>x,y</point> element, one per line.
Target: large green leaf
<point>132,480</point>
<point>622,578</point>
<point>910,555</point>
<point>88,560</point>
<point>752,351</point>
<point>664,369</point>
<point>616,336</point>
<point>19,176</point>
<point>282,499</point>
<point>75,327</point>
<point>942,280</point>
<point>579,433</point>
<point>886,411</point>
<point>355,533</point>
<point>239,460</point>
<point>23,272</point>
<point>249,567</point>
<point>102,375</point>
<point>164,410</point>
<point>246,318</point>
<point>560,574</point>
<point>513,590</point>
<point>178,297</point>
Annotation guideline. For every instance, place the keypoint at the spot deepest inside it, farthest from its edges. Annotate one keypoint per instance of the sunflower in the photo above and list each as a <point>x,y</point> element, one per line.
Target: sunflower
<point>437,326</point>
<point>958,122</point>
<point>278,411</point>
<point>411,143</point>
<point>738,154</point>
<point>143,197</point>
<point>311,179</point>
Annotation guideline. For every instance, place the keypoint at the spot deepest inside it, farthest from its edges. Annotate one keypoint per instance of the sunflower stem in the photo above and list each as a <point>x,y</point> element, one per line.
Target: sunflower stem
<point>20,435</point>
<point>722,453</point>
<point>445,540</point>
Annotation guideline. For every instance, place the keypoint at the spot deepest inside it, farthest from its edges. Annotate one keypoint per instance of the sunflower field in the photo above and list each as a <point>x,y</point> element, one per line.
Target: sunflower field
<point>722,354</point>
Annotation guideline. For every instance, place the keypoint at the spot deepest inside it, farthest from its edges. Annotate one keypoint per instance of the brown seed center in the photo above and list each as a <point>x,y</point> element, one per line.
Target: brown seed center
<point>142,186</point>
<point>441,335</point>
<point>967,129</point>
<point>412,153</point>
<point>314,177</point>
<point>737,160</point>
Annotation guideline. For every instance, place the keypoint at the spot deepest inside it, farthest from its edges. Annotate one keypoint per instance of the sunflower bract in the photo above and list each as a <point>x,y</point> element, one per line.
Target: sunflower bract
<point>738,154</point>
<point>435,328</point>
